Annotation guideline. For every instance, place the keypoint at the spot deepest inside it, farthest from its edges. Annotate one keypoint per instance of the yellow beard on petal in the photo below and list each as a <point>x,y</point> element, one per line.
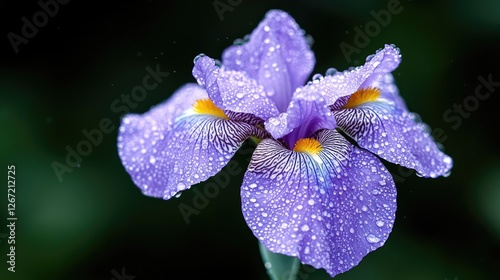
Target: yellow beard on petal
<point>361,96</point>
<point>207,107</point>
<point>309,146</point>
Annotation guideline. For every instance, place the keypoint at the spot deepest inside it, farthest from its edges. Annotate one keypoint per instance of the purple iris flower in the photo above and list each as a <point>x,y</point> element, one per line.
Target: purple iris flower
<point>309,192</point>
<point>181,142</point>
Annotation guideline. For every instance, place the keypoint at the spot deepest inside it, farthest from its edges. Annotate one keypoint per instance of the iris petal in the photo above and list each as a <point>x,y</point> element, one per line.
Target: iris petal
<point>306,114</point>
<point>346,83</point>
<point>394,135</point>
<point>329,214</point>
<point>170,148</point>
<point>277,55</point>
<point>233,90</point>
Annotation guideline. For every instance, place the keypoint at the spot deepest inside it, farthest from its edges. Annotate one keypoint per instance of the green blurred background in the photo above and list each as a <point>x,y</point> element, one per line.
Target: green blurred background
<point>95,223</point>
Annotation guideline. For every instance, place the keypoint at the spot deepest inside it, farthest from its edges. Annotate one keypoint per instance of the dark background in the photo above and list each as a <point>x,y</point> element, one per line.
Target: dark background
<point>96,222</point>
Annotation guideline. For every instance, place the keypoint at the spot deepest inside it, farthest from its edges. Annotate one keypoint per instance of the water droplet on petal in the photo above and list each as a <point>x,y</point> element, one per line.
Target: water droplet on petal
<point>181,186</point>
<point>198,57</point>
<point>238,42</point>
<point>330,72</point>
<point>372,238</point>
<point>152,160</point>
<point>317,76</point>
<point>274,121</point>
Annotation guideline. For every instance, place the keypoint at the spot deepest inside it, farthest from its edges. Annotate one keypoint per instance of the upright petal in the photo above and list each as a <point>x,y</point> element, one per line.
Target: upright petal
<point>392,133</point>
<point>172,146</point>
<point>277,55</point>
<point>306,114</point>
<point>346,83</point>
<point>233,90</point>
<point>329,211</point>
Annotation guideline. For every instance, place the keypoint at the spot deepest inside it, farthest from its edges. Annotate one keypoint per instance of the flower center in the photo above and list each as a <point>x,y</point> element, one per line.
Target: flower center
<point>308,145</point>
<point>361,96</point>
<point>206,106</point>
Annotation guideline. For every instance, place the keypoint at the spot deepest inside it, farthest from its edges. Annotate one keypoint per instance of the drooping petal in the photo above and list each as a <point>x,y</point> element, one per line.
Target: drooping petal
<point>233,90</point>
<point>329,210</point>
<point>306,114</point>
<point>346,83</point>
<point>393,134</point>
<point>171,147</point>
<point>277,55</point>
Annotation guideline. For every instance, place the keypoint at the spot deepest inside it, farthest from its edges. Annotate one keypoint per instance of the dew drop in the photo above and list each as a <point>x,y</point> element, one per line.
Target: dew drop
<point>317,76</point>
<point>198,57</point>
<point>306,250</point>
<point>331,72</point>
<point>152,160</point>
<point>268,265</point>
<point>238,42</point>
<point>372,238</point>
<point>380,223</point>
<point>181,186</point>
<point>274,121</point>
